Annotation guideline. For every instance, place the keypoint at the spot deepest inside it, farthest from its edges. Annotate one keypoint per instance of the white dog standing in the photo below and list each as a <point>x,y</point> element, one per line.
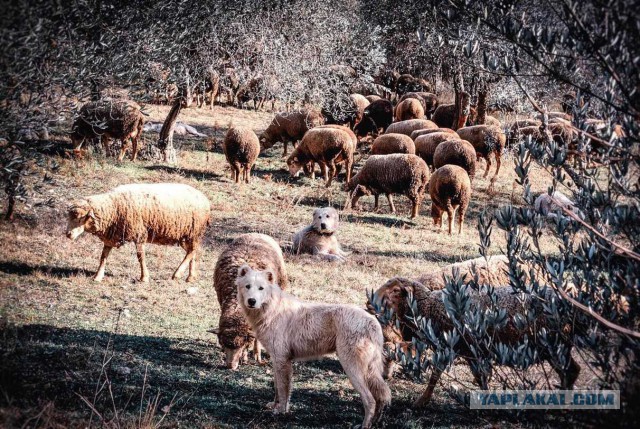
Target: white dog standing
<point>291,329</point>
<point>320,238</point>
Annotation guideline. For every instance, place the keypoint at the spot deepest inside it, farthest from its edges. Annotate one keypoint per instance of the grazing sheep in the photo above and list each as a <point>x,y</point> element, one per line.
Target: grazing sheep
<point>261,252</point>
<point>409,126</point>
<point>486,139</point>
<point>450,191</point>
<point>546,206</point>
<point>418,133</point>
<point>563,133</point>
<point>320,238</point>
<point>361,103</point>
<point>426,144</point>
<point>409,109</point>
<point>254,90</point>
<point>554,115</point>
<point>327,147</point>
<point>108,118</point>
<point>495,271</point>
<point>445,114</point>
<point>430,303</point>
<point>344,111</point>
<point>290,127</point>
<point>516,129</point>
<point>407,83</point>
<point>159,213</point>
<point>378,115</point>
<point>391,174</point>
<point>372,98</point>
<point>241,148</point>
<point>392,143</point>
<point>490,120</point>
<point>428,100</point>
<point>456,152</point>
<point>536,133</point>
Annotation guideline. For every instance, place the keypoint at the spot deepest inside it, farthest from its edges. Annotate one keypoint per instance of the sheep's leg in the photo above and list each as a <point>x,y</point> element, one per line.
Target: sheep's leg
<point>134,143</point>
<point>451,212</point>
<point>377,202</point>
<point>324,171</point>
<point>349,167</point>
<point>190,249</point>
<point>103,263</point>
<point>436,215</point>
<point>144,271</point>
<point>104,139</point>
<point>332,172</point>
<point>123,149</point>
<point>415,206</point>
<point>498,162</point>
<point>426,396</point>
<point>393,207</point>
<point>486,172</point>
<point>461,212</point>
<point>354,200</point>
<point>286,145</point>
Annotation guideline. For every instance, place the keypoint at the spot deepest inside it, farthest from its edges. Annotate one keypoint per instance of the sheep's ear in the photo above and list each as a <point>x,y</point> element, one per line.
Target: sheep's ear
<point>91,214</point>
<point>243,270</point>
<point>269,275</point>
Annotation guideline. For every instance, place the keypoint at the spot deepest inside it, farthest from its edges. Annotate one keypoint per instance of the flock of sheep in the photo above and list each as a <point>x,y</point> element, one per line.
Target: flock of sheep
<point>417,145</point>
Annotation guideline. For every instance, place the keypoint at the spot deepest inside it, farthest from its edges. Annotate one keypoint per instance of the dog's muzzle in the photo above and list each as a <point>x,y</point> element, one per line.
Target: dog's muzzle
<point>251,303</point>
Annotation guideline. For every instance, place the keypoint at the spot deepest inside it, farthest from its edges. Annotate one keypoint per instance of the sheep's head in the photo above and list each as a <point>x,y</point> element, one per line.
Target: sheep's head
<point>80,218</point>
<point>295,165</point>
<point>365,126</point>
<point>325,220</point>
<point>233,336</point>
<point>393,296</point>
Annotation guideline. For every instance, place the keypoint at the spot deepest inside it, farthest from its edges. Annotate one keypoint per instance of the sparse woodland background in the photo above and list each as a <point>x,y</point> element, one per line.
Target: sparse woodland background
<point>524,56</point>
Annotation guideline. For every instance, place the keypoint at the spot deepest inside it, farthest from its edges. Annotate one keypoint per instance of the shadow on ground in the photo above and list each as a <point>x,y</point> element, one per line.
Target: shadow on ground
<point>22,269</point>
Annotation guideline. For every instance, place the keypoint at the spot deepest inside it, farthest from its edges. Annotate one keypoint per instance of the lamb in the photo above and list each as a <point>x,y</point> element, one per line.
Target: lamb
<point>392,143</point>
<point>261,252</point>
<point>409,126</point>
<point>320,238</point>
<point>418,133</point>
<point>393,295</point>
<point>428,100</point>
<point>391,174</point>
<point>426,144</point>
<point>378,115</point>
<point>241,148</point>
<point>486,139</point>
<point>450,191</point>
<point>456,152</point>
<point>327,147</point>
<point>290,127</point>
<point>409,109</point>
<point>109,118</point>
<point>159,213</point>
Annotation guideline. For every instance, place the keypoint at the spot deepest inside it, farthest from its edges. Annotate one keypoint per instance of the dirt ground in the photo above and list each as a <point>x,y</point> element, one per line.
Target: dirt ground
<point>76,353</point>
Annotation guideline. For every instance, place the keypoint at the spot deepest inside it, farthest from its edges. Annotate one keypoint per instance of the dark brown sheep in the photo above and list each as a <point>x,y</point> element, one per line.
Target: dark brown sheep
<point>409,126</point>
<point>426,144</point>
<point>376,116</point>
<point>409,109</point>
<point>407,83</point>
<point>445,114</point>
<point>450,190</point>
<point>486,140</point>
<point>392,143</point>
<point>290,127</point>
<point>241,148</point>
<point>325,146</point>
<point>372,98</point>
<point>456,152</point>
<point>418,133</point>
<point>108,119</point>
<point>391,174</point>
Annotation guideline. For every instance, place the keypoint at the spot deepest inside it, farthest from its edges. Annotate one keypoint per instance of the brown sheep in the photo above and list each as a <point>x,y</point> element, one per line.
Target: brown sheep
<point>554,115</point>
<point>514,130</point>
<point>372,98</point>
<point>486,139</point>
<point>450,191</point>
<point>445,114</point>
<point>490,120</point>
<point>409,126</point>
<point>409,109</point>
<point>392,143</point>
<point>327,147</point>
<point>159,213</point>
<point>418,133</point>
<point>108,118</point>
<point>393,294</point>
<point>360,103</point>
<point>260,252</point>
<point>378,115</point>
<point>426,144</point>
<point>290,127</point>
<point>428,100</point>
<point>391,174</point>
<point>241,148</point>
<point>456,152</point>
<point>493,272</point>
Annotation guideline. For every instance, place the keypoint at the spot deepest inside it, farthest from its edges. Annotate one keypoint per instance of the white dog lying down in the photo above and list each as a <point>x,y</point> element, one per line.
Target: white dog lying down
<point>180,129</point>
<point>320,238</point>
<point>291,329</point>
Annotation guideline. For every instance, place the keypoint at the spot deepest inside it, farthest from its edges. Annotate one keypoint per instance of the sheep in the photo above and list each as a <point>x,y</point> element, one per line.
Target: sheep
<point>554,115</point>
<point>409,126</point>
<point>409,109</point>
<point>391,174</point>
<point>515,130</point>
<point>378,115</point>
<point>563,133</point>
<point>241,147</point>
<point>450,190</point>
<point>418,133</point>
<point>392,143</point>
<point>107,119</point>
<point>428,100</point>
<point>361,103</point>
<point>326,146</point>
<point>320,238</point>
<point>426,144</point>
<point>159,213</point>
<point>345,110</point>
<point>536,133</point>
<point>445,114</point>
<point>456,152</point>
<point>493,270</point>
<point>261,252</point>
<point>486,139</point>
<point>290,127</point>
<point>549,205</point>
<point>407,83</point>
<point>430,305</point>
<point>490,120</point>
<point>372,98</point>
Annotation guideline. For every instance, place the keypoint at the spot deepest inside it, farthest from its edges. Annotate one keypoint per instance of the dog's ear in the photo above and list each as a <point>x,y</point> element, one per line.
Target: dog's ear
<point>243,270</point>
<point>269,275</point>
<point>315,212</point>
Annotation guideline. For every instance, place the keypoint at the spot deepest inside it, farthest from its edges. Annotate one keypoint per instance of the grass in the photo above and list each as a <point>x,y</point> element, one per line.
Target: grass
<point>58,325</point>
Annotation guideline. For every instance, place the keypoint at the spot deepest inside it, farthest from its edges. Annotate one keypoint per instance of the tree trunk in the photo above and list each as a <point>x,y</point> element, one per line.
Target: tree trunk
<point>165,140</point>
<point>11,205</point>
<point>462,101</point>
<point>481,112</point>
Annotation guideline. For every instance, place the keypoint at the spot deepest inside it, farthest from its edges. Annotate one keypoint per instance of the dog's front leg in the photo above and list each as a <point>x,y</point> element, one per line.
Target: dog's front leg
<point>283,372</point>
